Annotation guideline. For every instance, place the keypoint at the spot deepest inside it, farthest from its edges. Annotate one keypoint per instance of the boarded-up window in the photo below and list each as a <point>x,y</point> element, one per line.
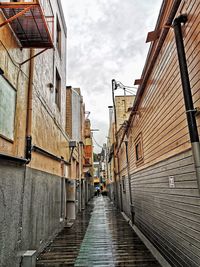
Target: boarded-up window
<point>7,108</point>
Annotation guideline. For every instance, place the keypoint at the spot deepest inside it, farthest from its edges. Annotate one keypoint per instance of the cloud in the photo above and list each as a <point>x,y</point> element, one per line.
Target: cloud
<point>106,40</point>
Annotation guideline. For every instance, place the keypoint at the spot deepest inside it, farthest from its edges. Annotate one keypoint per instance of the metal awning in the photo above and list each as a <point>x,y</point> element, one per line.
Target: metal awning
<point>27,20</point>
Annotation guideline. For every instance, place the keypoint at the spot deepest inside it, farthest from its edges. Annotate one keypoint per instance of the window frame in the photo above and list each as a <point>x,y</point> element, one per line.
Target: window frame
<point>4,136</point>
<point>139,155</point>
<point>123,184</point>
<point>58,90</point>
<point>58,36</point>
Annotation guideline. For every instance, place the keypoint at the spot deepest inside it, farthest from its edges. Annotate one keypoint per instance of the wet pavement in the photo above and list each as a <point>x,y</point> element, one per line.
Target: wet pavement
<point>99,237</point>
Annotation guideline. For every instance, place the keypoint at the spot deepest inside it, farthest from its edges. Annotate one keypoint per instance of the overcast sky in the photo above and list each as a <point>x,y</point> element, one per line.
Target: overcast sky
<point>106,40</point>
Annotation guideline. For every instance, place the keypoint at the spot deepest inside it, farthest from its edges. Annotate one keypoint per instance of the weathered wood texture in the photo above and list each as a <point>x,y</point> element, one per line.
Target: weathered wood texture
<point>168,215</point>
<point>162,119</point>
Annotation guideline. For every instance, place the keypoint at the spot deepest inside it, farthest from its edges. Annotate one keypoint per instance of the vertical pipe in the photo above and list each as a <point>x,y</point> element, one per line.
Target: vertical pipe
<point>190,110</point>
<point>120,182</point>
<point>62,165</point>
<point>29,109</point>
<point>115,121</point>
<point>116,166</point>
<point>107,172</point>
<point>129,183</point>
<point>81,171</point>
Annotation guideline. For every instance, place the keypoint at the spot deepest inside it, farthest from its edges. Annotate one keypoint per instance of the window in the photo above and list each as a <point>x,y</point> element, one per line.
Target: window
<point>58,90</point>
<point>123,184</point>
<point>139,149</point>
<point>7,108</point>
<point>58,36</point>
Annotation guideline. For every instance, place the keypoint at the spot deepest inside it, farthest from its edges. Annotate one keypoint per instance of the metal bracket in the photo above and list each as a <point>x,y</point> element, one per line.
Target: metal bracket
<point>33,56</point>
<point>192,111</point>
<point>197,109</point>
<point>72,150</point>
<point>167,26</point>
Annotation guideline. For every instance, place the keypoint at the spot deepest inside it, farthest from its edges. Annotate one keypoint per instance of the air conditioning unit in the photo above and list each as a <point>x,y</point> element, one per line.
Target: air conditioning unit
<point>72,144</point>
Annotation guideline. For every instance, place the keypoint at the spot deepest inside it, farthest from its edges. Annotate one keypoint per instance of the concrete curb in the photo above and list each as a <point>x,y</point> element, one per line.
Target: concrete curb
<point>147,243</point>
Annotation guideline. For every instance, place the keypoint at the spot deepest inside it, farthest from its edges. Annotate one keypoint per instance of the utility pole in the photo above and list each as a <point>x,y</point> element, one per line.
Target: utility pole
<point>116,166</point>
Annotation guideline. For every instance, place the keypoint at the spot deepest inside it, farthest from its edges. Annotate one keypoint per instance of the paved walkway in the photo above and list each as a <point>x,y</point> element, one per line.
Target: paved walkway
<point>100,237</point>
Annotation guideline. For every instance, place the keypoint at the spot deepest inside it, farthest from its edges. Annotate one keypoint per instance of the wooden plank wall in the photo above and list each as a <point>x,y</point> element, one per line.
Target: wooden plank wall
<point>124,173</point>
<point>162,119</point>
<point>169,217</point>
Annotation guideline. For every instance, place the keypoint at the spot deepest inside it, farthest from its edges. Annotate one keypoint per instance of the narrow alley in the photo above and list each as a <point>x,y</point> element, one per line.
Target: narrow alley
<point>99,133</point>
<point>99,237</point>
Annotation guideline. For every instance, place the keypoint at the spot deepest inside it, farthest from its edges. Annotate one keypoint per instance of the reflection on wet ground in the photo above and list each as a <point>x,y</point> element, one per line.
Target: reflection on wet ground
<point>99,237</point>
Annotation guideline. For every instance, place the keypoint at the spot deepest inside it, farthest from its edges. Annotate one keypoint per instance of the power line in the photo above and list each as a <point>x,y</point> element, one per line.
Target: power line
<point>120,83</point>
<point>128,91</point>
<point>96,142</point>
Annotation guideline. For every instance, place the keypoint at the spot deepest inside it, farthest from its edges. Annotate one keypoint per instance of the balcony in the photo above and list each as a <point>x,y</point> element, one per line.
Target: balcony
<point>31,23</point>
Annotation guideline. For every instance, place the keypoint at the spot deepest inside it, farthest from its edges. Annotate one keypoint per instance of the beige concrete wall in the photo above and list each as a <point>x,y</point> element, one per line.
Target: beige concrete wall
<point>123,103</point>
<point>11,56</point>
<point>48,120</point>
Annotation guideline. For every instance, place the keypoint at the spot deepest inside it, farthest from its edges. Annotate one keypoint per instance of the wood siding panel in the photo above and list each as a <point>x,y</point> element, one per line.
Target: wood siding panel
<point>170,216</point>
<point>162,119</point>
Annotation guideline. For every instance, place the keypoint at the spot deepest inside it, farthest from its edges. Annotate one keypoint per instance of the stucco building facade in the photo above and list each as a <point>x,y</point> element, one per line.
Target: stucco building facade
<point>34,146</point>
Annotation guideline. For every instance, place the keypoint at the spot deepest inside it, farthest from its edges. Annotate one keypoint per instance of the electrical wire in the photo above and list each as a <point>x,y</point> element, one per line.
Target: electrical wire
<point>133,87</point>
<point>128,91</point>
<point>96,142</point>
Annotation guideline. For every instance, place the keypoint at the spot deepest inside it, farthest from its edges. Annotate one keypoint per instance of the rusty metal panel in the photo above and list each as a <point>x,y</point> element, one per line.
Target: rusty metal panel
<point>28,21</point>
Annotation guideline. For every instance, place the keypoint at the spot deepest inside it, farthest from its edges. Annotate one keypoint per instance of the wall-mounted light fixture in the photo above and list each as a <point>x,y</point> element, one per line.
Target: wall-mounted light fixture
<point>50,85</point>
<point>1,72</point>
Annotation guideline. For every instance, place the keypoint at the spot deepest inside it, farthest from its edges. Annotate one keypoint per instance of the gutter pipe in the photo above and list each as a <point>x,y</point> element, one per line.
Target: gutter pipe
<point>189,106</point>
<point>28,148</point>
<point>129,184</point>
<point>116,139</point>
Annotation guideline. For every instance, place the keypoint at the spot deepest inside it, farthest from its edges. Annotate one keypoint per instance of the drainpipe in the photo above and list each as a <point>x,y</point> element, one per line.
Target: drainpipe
<point>129,183</point>
<point>115,154</point>
<point>190,110</point>
<point>29,109</point>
